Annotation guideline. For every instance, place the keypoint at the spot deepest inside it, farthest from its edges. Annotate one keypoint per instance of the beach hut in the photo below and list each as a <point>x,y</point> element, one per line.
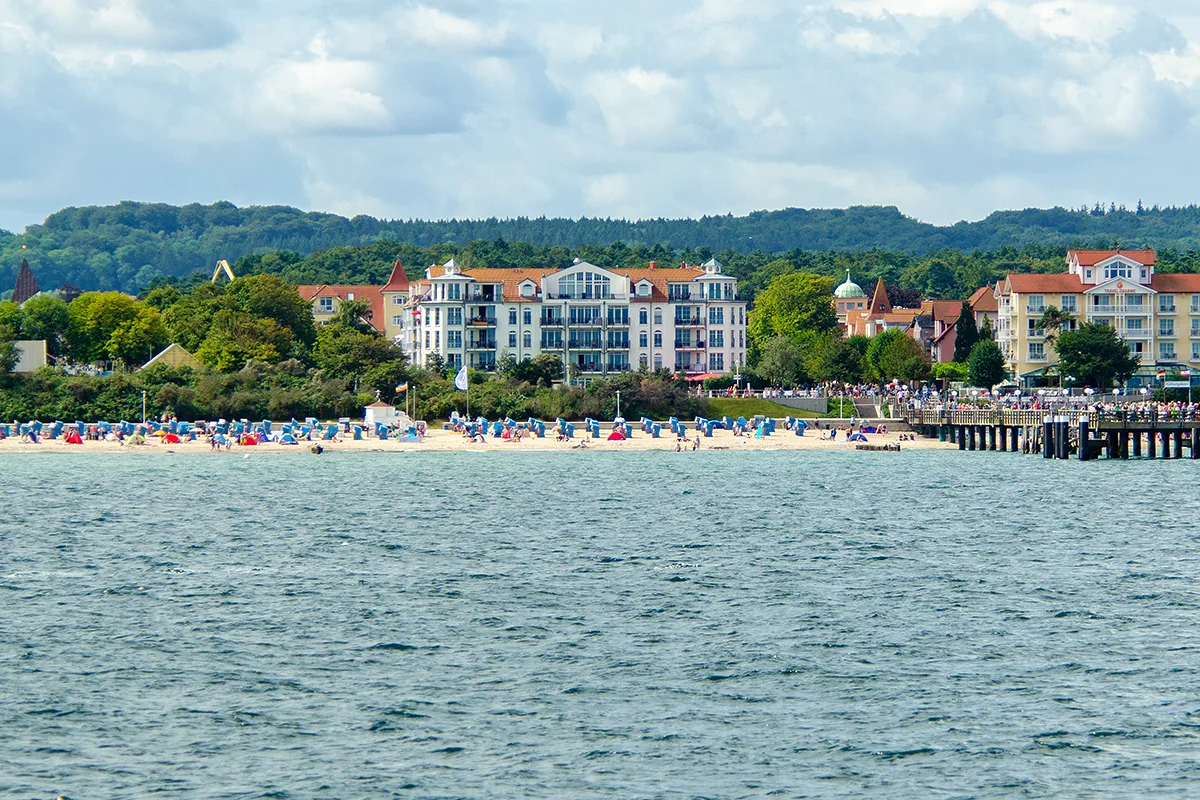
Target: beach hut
<point>379,412</point>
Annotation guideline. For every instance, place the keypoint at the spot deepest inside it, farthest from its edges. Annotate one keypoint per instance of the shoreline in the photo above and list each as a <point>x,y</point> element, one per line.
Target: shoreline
<point>446,441</point>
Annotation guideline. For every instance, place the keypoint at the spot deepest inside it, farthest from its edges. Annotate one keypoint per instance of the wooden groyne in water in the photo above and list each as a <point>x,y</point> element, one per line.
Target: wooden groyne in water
<point>1062,433</point>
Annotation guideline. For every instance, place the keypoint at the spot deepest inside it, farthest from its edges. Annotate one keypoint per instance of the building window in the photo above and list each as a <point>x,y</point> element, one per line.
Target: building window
<point>643,317</point>
<point>1069,303</point>
<point>658,338</point>
<point>528,317</point>
<point>527,290</point>
<point>437,316</point>
<point>716,316</point>
<point>512,340</point>
<point>325,305</point>
<point>454,316</point>
<point>528,339</point>
<point>454,338</point>
<point>1166,327</point>
<point>643,340</point>
<point>716,361</point>
<point>454,291</point>
<point>658,361</point>
<point>512,316</point>
<point>658,316</point>
<point>642,361</point>
<point>1102,301</point>
<point>397,299</point>
<point>1036,303</point>
<point>1166,351</point>
<point>427,339</point>
<point>1135,300</point>
<point>1195,309</point>
<point>398,319</point>
<point>1037,351</point>
<point>1195,351</point>
<point>716,338</point>
<point>1135,324</point>
<point>1118,270</point>
<point>1166,304</point>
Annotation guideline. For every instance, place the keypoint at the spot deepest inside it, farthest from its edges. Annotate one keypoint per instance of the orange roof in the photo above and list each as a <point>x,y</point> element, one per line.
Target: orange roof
<point>1176,283</point>
<point>944,311</point>
<point>1089,258</point>
<point>880,304</point>
<point>371,294</point>
<point>509,280</point>
<point>1056,283</point>
<point>398,280</point>
<point>983,299</point>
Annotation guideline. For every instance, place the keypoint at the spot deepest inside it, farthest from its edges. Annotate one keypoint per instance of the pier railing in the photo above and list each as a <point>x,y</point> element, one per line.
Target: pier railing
<point>1028,417</point>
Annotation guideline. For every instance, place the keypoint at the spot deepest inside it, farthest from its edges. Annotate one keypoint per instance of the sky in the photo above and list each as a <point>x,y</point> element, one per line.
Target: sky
<point>948,109</point>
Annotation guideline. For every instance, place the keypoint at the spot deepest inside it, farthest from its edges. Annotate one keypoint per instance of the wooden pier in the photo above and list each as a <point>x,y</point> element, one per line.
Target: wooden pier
<point>1061,433</point>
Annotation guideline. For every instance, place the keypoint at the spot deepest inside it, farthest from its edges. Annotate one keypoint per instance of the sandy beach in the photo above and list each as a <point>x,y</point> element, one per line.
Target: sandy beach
<point>440,440</point>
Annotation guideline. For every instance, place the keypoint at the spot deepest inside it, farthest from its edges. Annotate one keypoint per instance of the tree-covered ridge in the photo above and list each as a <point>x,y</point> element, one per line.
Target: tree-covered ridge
<point>126,246</point>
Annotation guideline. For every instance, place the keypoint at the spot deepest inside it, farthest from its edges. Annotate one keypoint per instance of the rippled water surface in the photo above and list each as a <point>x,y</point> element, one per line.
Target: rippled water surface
<point>598,625</point>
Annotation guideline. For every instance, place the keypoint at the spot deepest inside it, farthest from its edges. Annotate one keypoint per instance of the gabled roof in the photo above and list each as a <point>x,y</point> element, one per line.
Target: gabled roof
<point>1056,283</point>
<point>398,280</point>
<point>946,312</point>
<point>175,355</point>
<point>983,299</point>
<point>371,294</point>
<point>1090,258</point>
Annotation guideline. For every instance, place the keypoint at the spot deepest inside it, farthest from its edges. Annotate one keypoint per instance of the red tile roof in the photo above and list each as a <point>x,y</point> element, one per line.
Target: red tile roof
<point>398,280</point>
<point>945,311</point>
<point>1056,283</point>
<point>371,294</point>
<point>1176,283</point>
<point>1089,258</point>
<point>983,299</point>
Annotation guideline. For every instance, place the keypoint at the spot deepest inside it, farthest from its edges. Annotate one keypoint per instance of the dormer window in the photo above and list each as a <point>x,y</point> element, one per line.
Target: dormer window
<point>643,290</point>
<point>527,290</point>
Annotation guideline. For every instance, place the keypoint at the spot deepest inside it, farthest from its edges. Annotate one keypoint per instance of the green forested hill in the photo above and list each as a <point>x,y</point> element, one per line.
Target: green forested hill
<point>128,245</point>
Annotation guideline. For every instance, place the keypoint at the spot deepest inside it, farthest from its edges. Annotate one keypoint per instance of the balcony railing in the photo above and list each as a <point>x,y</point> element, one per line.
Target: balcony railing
<point>1137,333</point>
<point>552,322</point>
<point>481,345</point>
<point>690,321</point>
<point>482,321</point>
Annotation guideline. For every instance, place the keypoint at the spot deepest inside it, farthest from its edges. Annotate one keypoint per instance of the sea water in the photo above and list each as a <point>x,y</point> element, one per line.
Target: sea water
<point>610,625</point>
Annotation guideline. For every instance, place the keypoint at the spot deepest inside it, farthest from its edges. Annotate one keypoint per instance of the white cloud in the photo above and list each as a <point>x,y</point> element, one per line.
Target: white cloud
<point>945,108</point>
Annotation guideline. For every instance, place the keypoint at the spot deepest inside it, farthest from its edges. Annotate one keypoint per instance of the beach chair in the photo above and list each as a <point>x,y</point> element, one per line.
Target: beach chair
<point>674,423</point>
<point>56,429</point>
<point>801,426</point>
<point>36,427</point>
<point>358,433</point>
<point>655,430</point>
<point>383,433</point>
<point>330,432</point>
<point>570,431</point>
<point>497,428</point>
<point>266,423</point>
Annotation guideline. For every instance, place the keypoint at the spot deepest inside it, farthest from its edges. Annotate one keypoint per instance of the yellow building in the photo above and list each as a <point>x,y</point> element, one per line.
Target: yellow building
<point>1158,315</point>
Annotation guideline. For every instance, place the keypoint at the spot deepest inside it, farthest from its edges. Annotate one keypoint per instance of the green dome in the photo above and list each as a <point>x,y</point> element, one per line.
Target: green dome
<point>848,289</point>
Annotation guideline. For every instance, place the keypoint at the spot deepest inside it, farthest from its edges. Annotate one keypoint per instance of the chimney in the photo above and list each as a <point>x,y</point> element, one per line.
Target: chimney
<point>653,265</point>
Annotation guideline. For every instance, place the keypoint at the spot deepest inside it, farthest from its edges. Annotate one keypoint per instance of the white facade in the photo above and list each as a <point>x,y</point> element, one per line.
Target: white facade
<point>685,319</point>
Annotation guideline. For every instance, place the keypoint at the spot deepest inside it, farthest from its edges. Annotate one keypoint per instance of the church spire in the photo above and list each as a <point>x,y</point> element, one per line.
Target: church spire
<point>879,301</point>
<point>27,285</point>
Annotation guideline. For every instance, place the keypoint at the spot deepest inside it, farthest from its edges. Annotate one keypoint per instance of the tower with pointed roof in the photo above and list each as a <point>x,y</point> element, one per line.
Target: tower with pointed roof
<point>880,304</point>
<point>27,285</point>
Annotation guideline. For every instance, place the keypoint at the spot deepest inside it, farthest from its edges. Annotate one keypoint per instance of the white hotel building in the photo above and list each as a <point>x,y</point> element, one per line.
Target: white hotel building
<point>686,319</point>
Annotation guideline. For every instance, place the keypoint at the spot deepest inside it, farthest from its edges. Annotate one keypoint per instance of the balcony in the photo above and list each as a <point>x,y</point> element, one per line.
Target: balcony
<point>552,322</point>
<point>1166,334</point>
<point>1137,333</point>
<point>481,321</point>
<point>690,322</point>
<point>481,345</point>
<point>1039,310</point>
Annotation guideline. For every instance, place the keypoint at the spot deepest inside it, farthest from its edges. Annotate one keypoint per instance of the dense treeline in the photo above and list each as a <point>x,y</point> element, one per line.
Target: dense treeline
<point>945,274</point>
<point>127,246</point>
